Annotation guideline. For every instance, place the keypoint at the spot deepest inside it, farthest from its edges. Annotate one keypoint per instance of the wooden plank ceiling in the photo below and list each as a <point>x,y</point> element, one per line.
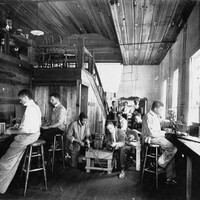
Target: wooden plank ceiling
<point>133,32</point>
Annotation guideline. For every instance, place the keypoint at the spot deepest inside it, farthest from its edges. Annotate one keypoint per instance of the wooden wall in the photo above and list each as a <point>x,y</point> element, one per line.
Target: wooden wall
<point>141,81</point>
<point>77,96</point>
<point>178,57</point>
<point>68,99</point>
<point>13,78</point>
<point>96,109</point>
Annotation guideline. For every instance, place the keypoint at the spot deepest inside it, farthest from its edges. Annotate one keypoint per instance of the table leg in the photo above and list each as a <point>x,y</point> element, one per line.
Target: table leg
<point>189,179</point>
<point>92,162</point>
<point>87,165</point>
<point>138,157</point>
<point>109,166</point>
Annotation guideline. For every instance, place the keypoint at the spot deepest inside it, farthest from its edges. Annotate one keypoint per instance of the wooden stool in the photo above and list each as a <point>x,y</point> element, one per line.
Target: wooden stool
<point>39,153</point>
<point>57,138</point>
<point>92,155</point>
<point>151,154</point>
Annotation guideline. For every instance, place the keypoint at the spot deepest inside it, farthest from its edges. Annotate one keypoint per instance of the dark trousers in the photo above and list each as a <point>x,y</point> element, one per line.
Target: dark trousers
<point>48,135</point>
<point>125,153</point>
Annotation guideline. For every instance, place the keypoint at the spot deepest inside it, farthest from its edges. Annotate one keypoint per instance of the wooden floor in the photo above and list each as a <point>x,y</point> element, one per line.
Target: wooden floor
<point>76,184</point>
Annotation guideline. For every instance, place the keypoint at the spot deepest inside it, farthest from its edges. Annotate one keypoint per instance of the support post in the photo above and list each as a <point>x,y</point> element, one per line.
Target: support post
<point>81,44</point>
<point>78,100</point>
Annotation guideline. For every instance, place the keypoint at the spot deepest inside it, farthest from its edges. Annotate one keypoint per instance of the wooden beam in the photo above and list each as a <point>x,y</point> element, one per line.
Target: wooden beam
<point>13,60</point>
<point>17,38</point>
<point>90,65</point>
<point>116,17</point>
<point>87,52</point>
<point>156,42</point>
<point>53,83</point>
<point>56,74</point>
<point>6,43</point>
<point>9,101</point>
<point>31,53</point>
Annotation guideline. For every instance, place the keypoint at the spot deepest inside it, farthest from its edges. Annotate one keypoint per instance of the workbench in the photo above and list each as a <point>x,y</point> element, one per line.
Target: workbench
<point>93,155</point>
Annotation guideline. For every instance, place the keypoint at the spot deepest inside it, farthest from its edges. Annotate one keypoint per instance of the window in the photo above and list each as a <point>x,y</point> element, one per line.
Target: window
<point>175,92</point>
<point>194,88</point>
<point>164,97</point>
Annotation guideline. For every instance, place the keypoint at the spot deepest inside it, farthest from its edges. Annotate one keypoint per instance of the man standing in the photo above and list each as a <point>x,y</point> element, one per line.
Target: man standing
<point>135,110</point>
<point>151,131</point>
<point>113,111</point>
<point>123,123</point>
<point>57,122</point>
<point>78,133</point>
<point>125,110</point>
<point>137,125</point>
<point>27,133</point>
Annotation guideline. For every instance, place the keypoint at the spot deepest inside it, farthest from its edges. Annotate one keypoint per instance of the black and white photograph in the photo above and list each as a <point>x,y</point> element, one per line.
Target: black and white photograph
<point>99,99</point>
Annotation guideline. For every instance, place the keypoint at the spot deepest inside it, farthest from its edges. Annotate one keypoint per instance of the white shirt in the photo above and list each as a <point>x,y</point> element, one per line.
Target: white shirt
<point>31,120</point>
<point>151,125</point>
<point>123,124</point>
<point>59,114</point>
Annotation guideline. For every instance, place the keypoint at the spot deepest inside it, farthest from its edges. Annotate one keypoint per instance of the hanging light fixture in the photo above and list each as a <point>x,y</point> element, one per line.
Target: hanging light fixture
<point>37,32</point>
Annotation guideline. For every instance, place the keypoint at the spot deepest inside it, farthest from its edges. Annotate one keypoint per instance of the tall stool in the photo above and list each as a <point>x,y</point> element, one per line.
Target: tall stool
<point>151,154</point>
<point>34,150</point>
<point>58,138</point>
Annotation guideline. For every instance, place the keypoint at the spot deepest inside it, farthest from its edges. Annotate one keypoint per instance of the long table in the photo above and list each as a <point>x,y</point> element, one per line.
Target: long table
<point>191,148</point>
<point>5,141</point>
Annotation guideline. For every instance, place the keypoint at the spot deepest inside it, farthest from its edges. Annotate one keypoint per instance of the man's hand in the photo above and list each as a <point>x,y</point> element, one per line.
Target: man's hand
<point>81,143</point>
<point>8,131</point>
<point>131,138</point>
<point>45,127</point>
<point>115,145</point>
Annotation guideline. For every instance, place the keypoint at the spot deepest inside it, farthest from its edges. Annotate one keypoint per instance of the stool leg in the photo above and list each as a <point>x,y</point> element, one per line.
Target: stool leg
<point>44,169</point>
<point>138,158</point>
<point>53,152</point>
<point>28,170</point>
<point>144,164</point>
<point>24,163</point>
<point>63,152</point>
<point>39,157</point>
<point>156,168</point>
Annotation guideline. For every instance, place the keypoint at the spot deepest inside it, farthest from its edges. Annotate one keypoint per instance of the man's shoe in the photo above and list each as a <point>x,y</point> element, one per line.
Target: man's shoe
<point>171,181</point>
<point>67,156</point>
<point>122,174</point>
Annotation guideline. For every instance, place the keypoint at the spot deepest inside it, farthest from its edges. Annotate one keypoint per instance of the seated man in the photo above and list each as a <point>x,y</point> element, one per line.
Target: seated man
<point>78,134</point>
<point>151,132</point>
<point>137,122</point>
<point>57,123</point>
<point>115,138</point>
<point>27,133</point>
<point>127,149</point>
